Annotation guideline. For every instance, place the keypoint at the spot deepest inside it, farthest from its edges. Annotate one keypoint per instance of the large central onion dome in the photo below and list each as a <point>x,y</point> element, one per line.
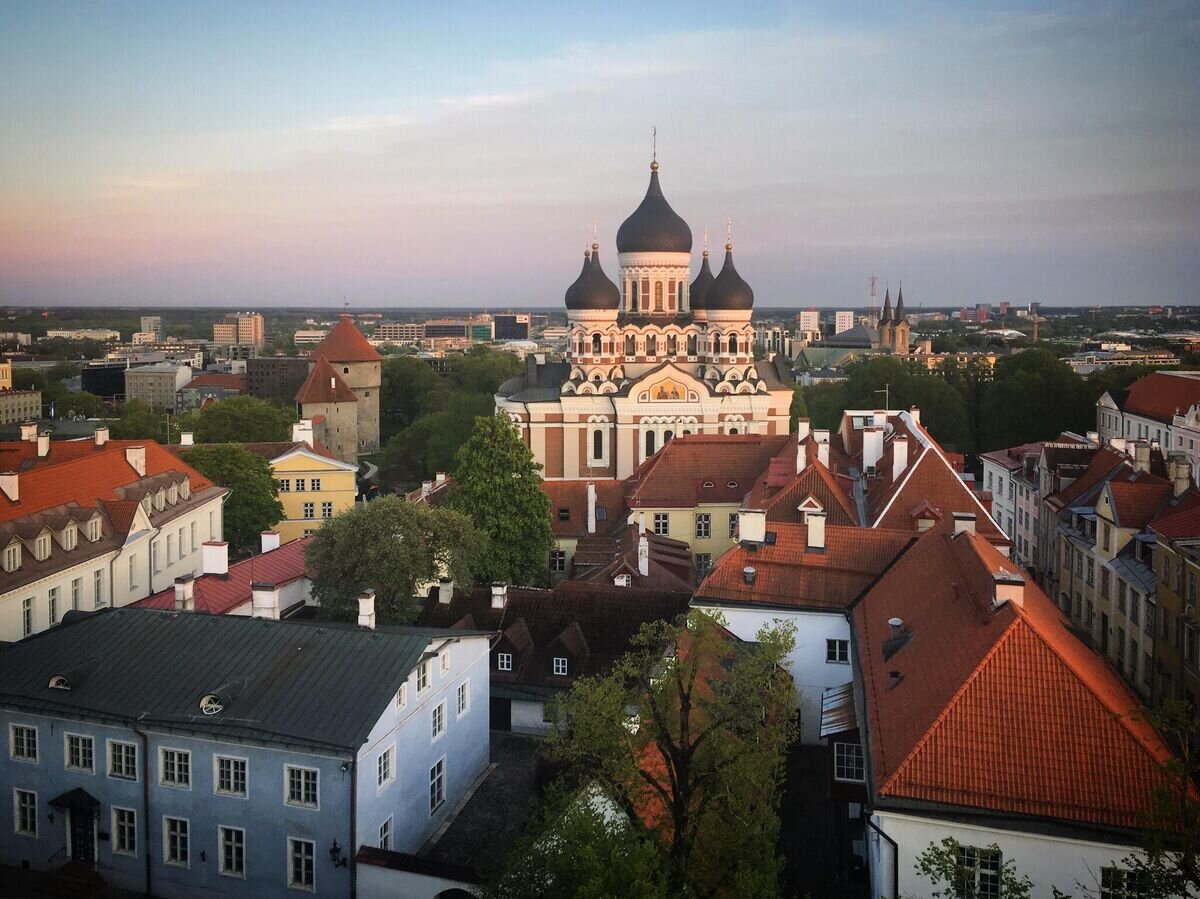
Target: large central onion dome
<point>654,226</point>
<point>729,291</point>
<point>592,289</point>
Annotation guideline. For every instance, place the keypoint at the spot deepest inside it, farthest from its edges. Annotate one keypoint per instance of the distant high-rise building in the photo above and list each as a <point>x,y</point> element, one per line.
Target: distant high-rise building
<point>810,320</point>
<point>400,331</point>
<point>153,324</point>
<point>511,326</point>
<point>843,321</point>
<point>275,377</point>
<point>239,328</point>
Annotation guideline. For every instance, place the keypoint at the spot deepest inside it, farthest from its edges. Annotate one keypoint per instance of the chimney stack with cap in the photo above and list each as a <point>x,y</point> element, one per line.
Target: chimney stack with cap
<point>185,596</point>
<point>43,442</point>
<point>499,594</point>
<point>821,436</point>
<point>29,431</point>
<point>101,436</point>
<point>366,609</point>
<point>269,540</point>
<point>964,522</point>
<point>1180,472</point>
<point>264,600</point>
<point>445,590</point>
<point>186,438</point>
<point>1007,586</point>
<point>1141,457</point>
<point>215,558</point>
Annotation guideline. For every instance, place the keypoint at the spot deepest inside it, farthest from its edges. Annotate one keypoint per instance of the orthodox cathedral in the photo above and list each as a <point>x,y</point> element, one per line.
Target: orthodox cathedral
<point>653,355</point>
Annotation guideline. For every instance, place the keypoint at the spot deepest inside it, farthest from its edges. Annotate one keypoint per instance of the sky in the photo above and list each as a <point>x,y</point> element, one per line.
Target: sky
<point>424,154</point>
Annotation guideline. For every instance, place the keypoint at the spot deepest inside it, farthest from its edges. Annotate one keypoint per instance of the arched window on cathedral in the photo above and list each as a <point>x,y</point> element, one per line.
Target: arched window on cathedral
<point>658,296</point>
<point>630,346</point>
<point>597,444</point>
<point>649,444</point>
<point>733,430</point>
<point>651,346</point>
<point>672,345</point>
<point>580,345</point>
<point>595,344</point>
<point>633,296</point>
<point>671,294</point>
<point>732,344</point>
<point>667,435</point>
<point>691,345</point>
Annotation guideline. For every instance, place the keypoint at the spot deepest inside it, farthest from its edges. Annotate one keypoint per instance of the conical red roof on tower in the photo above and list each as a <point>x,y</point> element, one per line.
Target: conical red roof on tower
<point>345,343</point>
<point>324,385</point>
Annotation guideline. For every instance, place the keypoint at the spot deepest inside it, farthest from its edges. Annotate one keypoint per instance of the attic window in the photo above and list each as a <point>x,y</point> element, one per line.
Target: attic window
<point>173,495</point>
<point>621,580</point>
<point>185,488</point>
<point>560,666</point>
<point>12,556</point>
<point>211,704</point>
<point>58,682</point>
<point>708,484</point>
<point>564,513</point>
<point>160,499</point>
<point>601,513</point>
<point>41,547</point>
<point>70,537</point>
<point>146,504</point>
<point>731,484</point>
<point>93,529</point>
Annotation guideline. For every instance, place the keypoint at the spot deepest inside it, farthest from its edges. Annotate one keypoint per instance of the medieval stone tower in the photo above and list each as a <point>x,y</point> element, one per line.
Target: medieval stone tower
<point>356,363</point>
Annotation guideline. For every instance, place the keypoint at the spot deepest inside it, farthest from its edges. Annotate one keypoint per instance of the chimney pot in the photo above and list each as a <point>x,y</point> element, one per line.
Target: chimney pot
<point>749,574</point>
<point>101,436</point>
<point>186,438</point>
<point>366,609</point>
<point>897,626</point>
<point>499,594</point>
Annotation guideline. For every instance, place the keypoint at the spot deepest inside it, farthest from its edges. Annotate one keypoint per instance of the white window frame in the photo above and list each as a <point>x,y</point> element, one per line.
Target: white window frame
<point>291,882</point>
<point>837,648</point>
<point>287,787</point>
<point>402,697</point>
<point>221,869</point>
<point>437,722</point>
<point>98,588</point>
<point>440,779</point>
<point>444,661</point>
<point>162,768</point>
<point>385,834</point>
<point>90,740</point>
<point>848,758</point>
<point>166,842</point>
<point>12,743</point>
<point>560,670</point>
<point>663,520</point>
<point>17,791</point>
<point>27,622</point>
<point>385,768</point>
<point>217,759</point>
<point>116,831</point>
<point>423,676</point>
<point>703,525</point>
<point>504,661</point>
<point>463,700</point>
<point>124,745</point>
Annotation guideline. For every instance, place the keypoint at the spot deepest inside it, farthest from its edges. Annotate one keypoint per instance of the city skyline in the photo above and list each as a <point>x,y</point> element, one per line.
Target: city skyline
<point>402,157</point>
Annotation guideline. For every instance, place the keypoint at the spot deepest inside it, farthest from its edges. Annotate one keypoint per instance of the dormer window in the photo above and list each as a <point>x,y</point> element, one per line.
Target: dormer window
<point>93,529</point>
<point>41,547</point>
<point>160,499</point>
<point>70,537</point>
<point>211,704</point>
<point>185,488</point>
<point>146,505</point>
<point>12,556</point>
<point>58,682</point>
<point>621,580</point>
<point>560,666</point>
<point>173,495</point>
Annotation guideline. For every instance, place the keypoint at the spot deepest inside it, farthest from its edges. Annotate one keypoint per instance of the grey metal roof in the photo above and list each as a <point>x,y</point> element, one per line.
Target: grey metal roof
<point>290,682</point>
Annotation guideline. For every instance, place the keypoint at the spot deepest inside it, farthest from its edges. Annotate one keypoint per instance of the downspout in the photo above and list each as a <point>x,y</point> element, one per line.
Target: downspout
<point>353,825</point>
<point>145,831</point>
<point>895,854</point>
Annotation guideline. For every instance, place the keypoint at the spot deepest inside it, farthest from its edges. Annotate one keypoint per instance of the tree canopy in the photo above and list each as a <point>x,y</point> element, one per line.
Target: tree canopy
<point>500,490</point>
<point>252,505</point>
<point>242,419</point>
<point>140,422</point>
<point>391,546</point>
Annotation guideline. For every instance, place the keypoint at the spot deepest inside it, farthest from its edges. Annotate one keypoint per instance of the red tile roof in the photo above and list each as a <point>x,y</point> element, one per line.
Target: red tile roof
<point>227,380</point>
<point>999,709</point>
<point>345,343</point>
<point>221,595</point>
<point>1178,524</point>
<point>324,385</point>
<point>675,477</point>
<point>789,574</point>
<point>599,560</point>
<point>1159,395</point>
<point>572,496</point>
<point>1104,462</point>
<point>816,482</point>
<point>931,480</point>
<point>1135,503</point>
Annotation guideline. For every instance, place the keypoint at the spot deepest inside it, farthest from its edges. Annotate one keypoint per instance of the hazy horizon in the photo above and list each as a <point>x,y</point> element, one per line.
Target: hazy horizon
<point>402,156</point>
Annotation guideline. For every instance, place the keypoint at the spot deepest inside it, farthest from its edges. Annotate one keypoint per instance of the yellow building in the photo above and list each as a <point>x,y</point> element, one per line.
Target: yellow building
<point>5,376</point>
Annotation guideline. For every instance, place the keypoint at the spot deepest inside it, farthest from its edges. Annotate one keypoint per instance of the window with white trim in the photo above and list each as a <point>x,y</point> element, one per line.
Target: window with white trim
<point>837,651</point>
<point>438,720</point>
<point>385,834</point>
<point>402,696</point>
<point>284,485</point>
<point>848,762</point>
<point>303,786</point>
<point>1119,883</point>
<point>232,845</point>
<point>558,561</point>
<point>703,525</point>
<point>175,768</point>
<point>122,760</point>
<point>423,677</point>
<point>978,872</point>
<point>733,524</point>
<point>437,786</point>
<point>52,606</point>
<point>310,510</point>
<point>661,523</point>
<point>23,743</point>
<point>464,698</point>
<point>560,666</point>
<point>300,488</point>
<point>25,819</point>
<point>175,841</point>
<point>385,769</point>
<point>301,864</point>
<point>231,776</point>
<point>26,617</point>
<point>504,661</point>
<point>124,831</point>
<point>80,753</point>
<point>98,588</point>
<point>444,661</point>
<point>315,485</point>
<point>12,556</point>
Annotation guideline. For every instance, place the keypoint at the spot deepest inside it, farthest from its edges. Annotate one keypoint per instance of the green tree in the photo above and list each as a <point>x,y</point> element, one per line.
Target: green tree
<point>500,490</point>
<point>826,402</point>
<point>1033,396</point>
<point>406,383</point>
<point>243,419</point>
<point>139,422</point>
<point>430,444</point>
<point>252,505</point>
<point>392,547</point>
<point>799,407</point>
<point>483,370</point>
<point>86,404</point>
<point>700,760</point>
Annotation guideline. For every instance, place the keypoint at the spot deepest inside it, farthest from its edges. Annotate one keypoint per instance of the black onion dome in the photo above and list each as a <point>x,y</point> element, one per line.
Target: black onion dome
<point>592,289</point>
<point>654,226</point>
<point>698,292</point>
<point>728,290</point>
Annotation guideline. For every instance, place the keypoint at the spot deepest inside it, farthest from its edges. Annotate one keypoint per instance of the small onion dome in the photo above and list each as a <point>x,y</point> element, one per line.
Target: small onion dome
<point>699,290</point>
<point>654,226</point>
<point>592,289</point>
<point>728,290</point>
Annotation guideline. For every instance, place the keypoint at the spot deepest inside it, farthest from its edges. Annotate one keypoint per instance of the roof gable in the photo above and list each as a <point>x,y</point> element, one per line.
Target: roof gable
<point>345,343</point>
<point>324,385</point>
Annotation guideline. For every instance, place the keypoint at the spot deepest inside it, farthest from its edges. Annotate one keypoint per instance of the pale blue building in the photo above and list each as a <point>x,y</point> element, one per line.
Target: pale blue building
<point>182,754</point>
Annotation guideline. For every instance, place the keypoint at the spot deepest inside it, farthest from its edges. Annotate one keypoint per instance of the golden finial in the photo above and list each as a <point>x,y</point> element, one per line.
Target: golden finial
<point>653,148</point>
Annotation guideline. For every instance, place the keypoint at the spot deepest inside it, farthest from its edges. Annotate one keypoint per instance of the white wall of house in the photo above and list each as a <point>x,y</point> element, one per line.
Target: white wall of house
<point>12,603</point>
<point>378,882</point>
<point>1050,861</point>
<point>527,717</point>
<point>151,558</point>
<point>811,673</point>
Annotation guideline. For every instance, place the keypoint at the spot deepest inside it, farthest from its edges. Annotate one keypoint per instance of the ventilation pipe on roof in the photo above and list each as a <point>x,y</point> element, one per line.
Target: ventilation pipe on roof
<point>302,431</point>
<point>270,540</point>
<point>499,594</point>
<point>591,507</point>
<point>186,438</point>
<point>897,626</point>
<point>749,574</point>
<point>445,590</point>
<point>644,555</point>
<point>215,558</point>
<point>43,442</point>
<point>964,523</point>
<point>101,436</point>
<point>821,436</point>
<point>816,531</point>
<point>136,457</point>
<point>185,597</point>
<point>899,457</point>
<point>264,601</point>
<point>752,525</point>
<point>29,431</point>
<point>366,609</point>
<point>10,485</point>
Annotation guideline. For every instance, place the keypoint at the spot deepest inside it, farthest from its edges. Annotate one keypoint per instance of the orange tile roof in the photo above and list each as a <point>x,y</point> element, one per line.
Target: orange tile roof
<point>789,574</point>
<point>572,496</point>
<point>999,709</point>
<point>324,385</point>
<point>1103,463</point>
<point>92,475</point>
<point>675,477</point>
<point>1135,503</point>
<point>345,343</point>
<point>817,482</point>
<point>1160,395</point>
<point>931,480</point>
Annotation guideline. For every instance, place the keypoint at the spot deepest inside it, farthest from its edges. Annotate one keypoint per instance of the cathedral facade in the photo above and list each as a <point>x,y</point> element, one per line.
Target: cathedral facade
<point>651,356</point>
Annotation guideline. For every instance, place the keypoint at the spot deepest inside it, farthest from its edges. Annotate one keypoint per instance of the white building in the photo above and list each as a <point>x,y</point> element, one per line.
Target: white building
<point>1161,408</point>
<point>843,321</point>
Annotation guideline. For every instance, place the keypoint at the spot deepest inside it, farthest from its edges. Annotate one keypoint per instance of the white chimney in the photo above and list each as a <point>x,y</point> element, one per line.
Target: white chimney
<point>801,454</point>
<point>264,601</point>
<point>899,457</point>
<point>752,526</point>
<point>43,442</point>
<point>270,540</point>
<point>10,485</point>
<point>101,436</point>
<point>215,557</point>
<point>185,593</point>
<point>803,429</point>
<point>1007,586</point>
<point>591,507</point>
<point>439,478</point>
<point>1118,444</point>
<point>1180,473</point>
<point>445,590</point>
<point>29,431</point>
<point>1141,457</point>
<point>499,594</point>
<point>186,438</point>
<point>426,488</point>
<point>302,431</point>
<point>816,531</point>
<point>915,414</point>
<point>366,609</point>
<point>879,418</point>
<point>136,457</point>
<point>872,447</point>
<point>964,522</point>
<point>644,555</point>
<point>1093,437</point>
<point>821,436</point>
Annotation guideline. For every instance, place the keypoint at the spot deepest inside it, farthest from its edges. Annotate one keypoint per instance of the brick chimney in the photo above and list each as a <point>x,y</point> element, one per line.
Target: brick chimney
<point>185,600</point>
<point>964,523</point>
<point>366,609</point>
<point>264,600</point>
<point>215,557</point>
